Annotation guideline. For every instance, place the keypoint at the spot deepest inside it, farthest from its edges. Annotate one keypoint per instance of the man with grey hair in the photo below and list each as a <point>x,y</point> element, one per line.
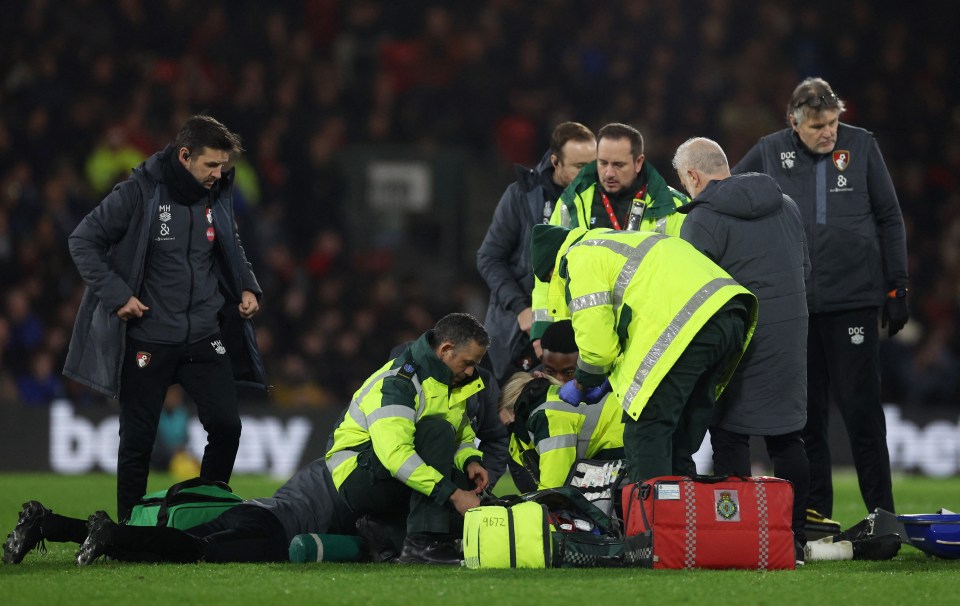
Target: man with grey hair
<point>858,255</point>
<point>747,226</point>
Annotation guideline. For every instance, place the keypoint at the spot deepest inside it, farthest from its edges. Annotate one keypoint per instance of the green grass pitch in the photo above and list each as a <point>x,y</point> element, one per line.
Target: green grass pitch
<point>53,578</point>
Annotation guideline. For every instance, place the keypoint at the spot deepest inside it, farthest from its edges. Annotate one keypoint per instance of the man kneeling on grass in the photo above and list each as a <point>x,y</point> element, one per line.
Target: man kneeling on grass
<point>259,530</point>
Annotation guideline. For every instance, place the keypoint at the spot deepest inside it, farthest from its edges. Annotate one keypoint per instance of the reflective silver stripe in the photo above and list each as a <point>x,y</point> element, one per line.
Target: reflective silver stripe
<point>339,457</point>
<point>421,399</point>
<point>541,315</point>
<point>391,411</point>
<point>354,410</point>
<point>409,466</point>
<point>590,368</point>
<point>634,258</point>
<point>357,415</point>
<point>592,300</point>
<point>464,446</point>
<point>670,333</point>
<point>661,226</point>
<point>566,441</point>
<point>555,405</point>
<point>591,416</point>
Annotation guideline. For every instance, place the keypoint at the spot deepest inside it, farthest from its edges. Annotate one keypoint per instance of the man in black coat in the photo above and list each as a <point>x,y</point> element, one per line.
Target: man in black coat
<point>748,227</point>
<point>504,256</point>
<point>858,256</point>
<point>170,297</point>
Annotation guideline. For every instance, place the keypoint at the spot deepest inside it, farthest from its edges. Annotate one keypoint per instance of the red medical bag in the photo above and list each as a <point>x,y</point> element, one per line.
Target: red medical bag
<point>712,522</point>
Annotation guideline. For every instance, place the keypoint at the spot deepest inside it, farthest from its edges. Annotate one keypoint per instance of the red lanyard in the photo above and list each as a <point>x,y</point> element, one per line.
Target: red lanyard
<point>606,204</point>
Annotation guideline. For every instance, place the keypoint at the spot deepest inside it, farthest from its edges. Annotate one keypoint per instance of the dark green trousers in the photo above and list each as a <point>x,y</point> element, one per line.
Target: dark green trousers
<point>370,489</point>
<point>672,425</point>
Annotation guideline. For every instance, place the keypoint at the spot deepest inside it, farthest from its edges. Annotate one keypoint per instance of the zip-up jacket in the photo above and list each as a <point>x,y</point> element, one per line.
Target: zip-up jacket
<point>309,502</point>
<point>637,300</point>
<point>503,259</point>
<point>110,248</point>
<point>577,208</point>
<point>384,413</point>
<point>850,212</point>
<point>561,433</point>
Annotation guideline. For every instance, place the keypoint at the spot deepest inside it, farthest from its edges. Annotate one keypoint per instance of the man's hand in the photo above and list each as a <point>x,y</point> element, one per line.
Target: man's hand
<point>594,394</point>
<point>478,475</point>
<point>249,306</point>
<point>462,500</point>
<point>537,349</point>
<point>895,313</point>
<point>133,308</point>
<point>525,320</point>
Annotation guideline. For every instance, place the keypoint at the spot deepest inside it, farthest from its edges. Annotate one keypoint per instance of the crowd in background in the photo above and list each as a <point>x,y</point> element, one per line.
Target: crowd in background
<point>88,89</point>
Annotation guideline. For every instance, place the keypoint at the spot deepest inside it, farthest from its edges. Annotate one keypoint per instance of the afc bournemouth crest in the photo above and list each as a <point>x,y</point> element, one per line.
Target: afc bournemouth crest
<point>841,159</point>
<point>728,505</point>
<point>143,358</point>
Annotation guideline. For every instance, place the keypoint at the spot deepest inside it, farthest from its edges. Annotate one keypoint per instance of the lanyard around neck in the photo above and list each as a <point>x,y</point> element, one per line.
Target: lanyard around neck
<point>609,207</point>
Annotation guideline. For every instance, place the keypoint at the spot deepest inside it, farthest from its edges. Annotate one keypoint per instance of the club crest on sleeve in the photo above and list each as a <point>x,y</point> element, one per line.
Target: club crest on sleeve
<point>143,359</point>
<point>407,371</point>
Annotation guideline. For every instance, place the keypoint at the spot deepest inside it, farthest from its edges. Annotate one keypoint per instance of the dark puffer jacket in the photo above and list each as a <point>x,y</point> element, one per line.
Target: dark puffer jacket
<point>749,228</point>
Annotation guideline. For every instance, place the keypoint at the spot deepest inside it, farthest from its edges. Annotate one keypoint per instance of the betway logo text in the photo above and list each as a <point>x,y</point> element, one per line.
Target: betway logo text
<point>77,445</point>
<point>934,450</point>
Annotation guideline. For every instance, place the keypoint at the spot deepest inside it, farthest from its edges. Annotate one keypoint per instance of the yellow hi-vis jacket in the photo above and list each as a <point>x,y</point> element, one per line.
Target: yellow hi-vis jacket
<point>637,301</point>
<point>574,209</point>
<point>384,414</point>
<point>561,433</point>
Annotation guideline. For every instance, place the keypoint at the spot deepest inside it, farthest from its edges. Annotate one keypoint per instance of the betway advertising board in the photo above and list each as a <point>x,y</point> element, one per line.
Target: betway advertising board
<point>72,440</point>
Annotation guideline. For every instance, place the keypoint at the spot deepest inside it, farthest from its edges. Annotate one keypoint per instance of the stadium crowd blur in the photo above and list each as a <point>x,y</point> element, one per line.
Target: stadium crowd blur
<point>88,89</point>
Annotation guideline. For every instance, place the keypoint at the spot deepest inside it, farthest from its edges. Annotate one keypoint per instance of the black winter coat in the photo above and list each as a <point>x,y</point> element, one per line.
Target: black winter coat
<point>503,260</point>
<point>110,248</point>
<point>749,228</point>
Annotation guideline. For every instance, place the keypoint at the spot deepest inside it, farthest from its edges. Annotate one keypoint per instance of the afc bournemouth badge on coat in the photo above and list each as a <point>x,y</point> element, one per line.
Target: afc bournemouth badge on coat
<point>209,215</point>
<point>728,505</point>
<point>143,358</point>
<point>211,234</point>
<point>841,159</point>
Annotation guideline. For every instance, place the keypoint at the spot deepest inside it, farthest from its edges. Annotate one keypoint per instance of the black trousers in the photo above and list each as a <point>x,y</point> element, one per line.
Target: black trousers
<point>245,533</point>
<point>843,365</point>
<point>370,489</point>
<point>731,457</point>
<point>671,427</point>
<point>206,375</point>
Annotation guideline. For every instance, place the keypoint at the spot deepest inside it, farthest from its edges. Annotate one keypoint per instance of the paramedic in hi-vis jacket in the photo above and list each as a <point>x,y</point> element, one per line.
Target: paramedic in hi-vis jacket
<point>398,451</point>
<point>658,324</point>
<point>558,432</point>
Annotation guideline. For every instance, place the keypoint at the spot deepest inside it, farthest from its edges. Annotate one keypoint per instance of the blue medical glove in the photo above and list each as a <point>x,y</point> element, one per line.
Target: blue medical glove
<point>594,394</point>
<point>570,394</point>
